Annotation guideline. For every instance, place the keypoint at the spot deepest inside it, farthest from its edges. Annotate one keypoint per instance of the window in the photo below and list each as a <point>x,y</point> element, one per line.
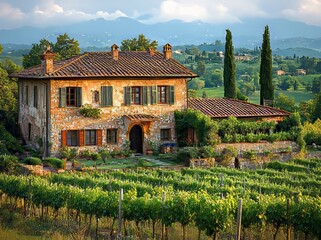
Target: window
<point>27,95</point>
<point>72,138</point>
<point>95,97</point>
<point>81,137</point>
<point>35,96</point>
<point>162,94</point>
<point>112,136</point>
<point>165,134</point>
<point>70,97</point>
<point>90,137</point>
<point>136,95</point>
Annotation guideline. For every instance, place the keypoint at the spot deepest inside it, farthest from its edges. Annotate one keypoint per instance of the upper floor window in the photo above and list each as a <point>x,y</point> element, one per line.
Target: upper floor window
<point>35,96</point>
<point>27,95</point>
<point>149,95</point>
<point>70,97</point>
<point>106,96</point>
<point>136,95</point>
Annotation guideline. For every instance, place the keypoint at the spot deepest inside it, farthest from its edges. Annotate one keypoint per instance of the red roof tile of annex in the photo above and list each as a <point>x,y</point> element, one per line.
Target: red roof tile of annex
<point>225,107</point>
<point>101,64</point>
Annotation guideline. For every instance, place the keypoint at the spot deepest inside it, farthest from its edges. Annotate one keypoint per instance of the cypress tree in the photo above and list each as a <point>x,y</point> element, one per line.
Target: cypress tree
<point>267,89</point>
<point>229,68</point>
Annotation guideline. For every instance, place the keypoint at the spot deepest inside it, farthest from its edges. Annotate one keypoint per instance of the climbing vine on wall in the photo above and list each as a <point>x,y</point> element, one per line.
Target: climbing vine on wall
<point>206,129</point>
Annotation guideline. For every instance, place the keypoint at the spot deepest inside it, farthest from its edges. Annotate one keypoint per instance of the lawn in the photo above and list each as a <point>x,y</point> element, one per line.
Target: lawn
<point>137,161</point>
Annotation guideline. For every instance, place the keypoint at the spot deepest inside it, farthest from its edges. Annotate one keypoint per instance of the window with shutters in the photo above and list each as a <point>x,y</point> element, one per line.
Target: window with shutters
<point>136,95</point>
<point>112,136</point>
<point>165,94</point>
<point>165,134</point>
<point>70,97</point>
<point>35,96</point>
<point>72,138</point>
<point>90,137</point>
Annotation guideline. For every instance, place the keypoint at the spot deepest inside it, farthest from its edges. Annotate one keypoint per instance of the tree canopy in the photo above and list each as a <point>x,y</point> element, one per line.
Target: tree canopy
<point>267,89</point>
<point>229,68</point>
<point>138,44</point>
<point>65,47</point>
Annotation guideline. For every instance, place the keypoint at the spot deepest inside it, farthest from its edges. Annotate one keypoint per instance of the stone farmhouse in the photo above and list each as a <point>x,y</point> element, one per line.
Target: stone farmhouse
<point>137,92</point>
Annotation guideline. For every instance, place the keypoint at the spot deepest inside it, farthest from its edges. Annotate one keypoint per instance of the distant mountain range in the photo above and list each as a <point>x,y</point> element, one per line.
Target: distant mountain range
<point>102,33</point>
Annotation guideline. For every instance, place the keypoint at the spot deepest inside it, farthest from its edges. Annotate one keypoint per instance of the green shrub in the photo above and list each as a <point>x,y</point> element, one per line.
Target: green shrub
<point>207,152</point>
<point>228,154</point>
<point>8,163</point>
<point>185,154</point>
<point>32,161</point>
<point>11,143</point>
<point>54,162</point>
<point>3,149</point>
<point>64,152</point>
<point>104,153</point>
<point>88,110</point>
<point>95,156</point>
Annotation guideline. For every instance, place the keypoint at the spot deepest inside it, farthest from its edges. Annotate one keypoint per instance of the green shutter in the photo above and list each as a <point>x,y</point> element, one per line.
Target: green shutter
<point>145,96</point>
<point>171,95</point>
<point>153,93</point>
<point>109,96</point>
<point>62,97</point>
<point>78,97</point>
<point>106,96</point>
<point>127,93</point>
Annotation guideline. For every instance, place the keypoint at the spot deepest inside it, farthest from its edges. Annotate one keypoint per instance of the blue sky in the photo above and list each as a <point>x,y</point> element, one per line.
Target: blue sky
<point>42,13</point>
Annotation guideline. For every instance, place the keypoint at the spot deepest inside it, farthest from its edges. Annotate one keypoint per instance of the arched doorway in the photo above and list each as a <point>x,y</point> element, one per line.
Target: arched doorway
<point>136,139</point>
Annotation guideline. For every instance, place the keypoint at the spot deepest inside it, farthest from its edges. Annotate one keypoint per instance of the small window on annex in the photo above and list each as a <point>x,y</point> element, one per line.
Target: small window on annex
<point>112,136</point>
<point>165,134</point>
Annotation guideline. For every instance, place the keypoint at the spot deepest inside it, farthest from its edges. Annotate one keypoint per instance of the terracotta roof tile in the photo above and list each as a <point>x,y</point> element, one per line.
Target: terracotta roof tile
<point>225,107</point>
<point>102,64</point>
<point>141,117</point>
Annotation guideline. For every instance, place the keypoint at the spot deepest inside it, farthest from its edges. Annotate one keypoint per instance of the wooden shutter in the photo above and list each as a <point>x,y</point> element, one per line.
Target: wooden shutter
<point>78,97</point>
<point>64,138</point>
<point>81,138</point>
<point>171,95</point>
<point>99,133</point>
<point>153,93</point>
<point>127,95</point>
<point>62,97</point>
<point>145,98</point>
<point>106,96</point>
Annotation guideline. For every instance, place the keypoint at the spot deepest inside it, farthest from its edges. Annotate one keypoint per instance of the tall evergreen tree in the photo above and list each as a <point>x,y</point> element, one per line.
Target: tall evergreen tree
<point>229,68</point>
<point>267,89</point>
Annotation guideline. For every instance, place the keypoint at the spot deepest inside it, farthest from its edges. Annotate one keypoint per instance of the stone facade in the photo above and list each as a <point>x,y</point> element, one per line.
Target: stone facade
<point>114,117</point>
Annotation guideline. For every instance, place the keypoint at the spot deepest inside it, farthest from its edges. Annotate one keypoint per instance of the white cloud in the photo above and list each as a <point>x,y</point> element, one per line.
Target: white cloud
<point>307,11</point>
<point>109,16</point>
<point>208,10</point>
<point>9,12</point>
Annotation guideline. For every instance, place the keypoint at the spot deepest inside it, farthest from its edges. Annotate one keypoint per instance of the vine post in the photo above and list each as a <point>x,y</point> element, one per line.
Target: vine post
<point>239,220</point>
<point>288,226</point>
<point>121,193</point>
<point>163,203</point>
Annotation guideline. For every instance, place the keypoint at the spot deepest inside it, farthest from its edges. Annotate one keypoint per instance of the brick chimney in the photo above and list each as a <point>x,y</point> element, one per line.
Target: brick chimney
<point>114,50</point>
<point>167,50</point>
<point>151,51</point>
<point>47,59</point>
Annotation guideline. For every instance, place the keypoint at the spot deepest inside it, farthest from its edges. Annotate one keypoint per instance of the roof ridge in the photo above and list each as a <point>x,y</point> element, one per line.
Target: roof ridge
<point>71,62</point>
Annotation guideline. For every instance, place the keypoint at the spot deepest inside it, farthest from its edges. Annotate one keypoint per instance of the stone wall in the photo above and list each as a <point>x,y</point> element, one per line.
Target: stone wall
<point>32,120</point>
<point>69,118</point>
<point>260,147</point>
